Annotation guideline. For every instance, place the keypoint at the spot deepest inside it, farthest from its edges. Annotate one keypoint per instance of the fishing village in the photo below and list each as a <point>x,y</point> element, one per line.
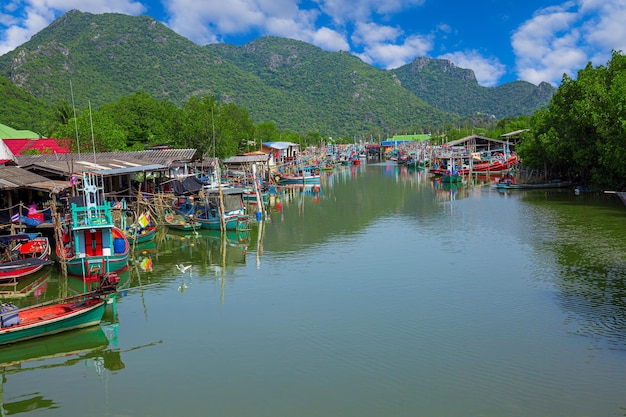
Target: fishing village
<point>312,208</point>
<point>87,212</point>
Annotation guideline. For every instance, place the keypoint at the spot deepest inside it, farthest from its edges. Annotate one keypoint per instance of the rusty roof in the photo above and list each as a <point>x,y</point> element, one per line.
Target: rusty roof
<point>12,178</point>
<point>167,157</point>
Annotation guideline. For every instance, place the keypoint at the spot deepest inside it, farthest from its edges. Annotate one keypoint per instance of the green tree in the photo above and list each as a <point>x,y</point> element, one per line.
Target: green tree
<point>146,120</point>
<point>107,135</point>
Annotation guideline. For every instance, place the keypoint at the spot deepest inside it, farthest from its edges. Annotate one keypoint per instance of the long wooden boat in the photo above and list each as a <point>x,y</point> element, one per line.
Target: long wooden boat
<point>531,186</point>
<point>92,243</point>
<point>494,166</point>
<point>306,175</point>
<point>23,255</point>
<point>84,310</point>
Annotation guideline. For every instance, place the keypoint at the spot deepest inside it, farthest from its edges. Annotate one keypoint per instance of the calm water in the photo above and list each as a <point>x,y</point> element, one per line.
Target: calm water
<point>383,294</point>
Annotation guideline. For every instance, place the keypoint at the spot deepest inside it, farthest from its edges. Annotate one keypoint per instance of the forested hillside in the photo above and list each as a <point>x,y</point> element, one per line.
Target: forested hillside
<point>298,86</point>
<point>450,88</point>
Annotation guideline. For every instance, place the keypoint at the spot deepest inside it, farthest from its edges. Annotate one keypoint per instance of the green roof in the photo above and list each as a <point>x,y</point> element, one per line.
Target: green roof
<point>417,138</point>
<point>7,132</point>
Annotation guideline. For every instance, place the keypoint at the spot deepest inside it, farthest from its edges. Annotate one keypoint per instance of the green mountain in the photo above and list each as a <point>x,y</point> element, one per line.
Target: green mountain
<point>20,109</point>
<point>103,57</point>
<point>450,88</point>
<point>334,91</point>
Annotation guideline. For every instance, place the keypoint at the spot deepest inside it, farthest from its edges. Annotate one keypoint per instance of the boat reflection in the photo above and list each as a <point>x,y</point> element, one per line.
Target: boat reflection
<point>33,286</point>
<point>85,347</point>
<point>446,191</point>
<point>78,285</point>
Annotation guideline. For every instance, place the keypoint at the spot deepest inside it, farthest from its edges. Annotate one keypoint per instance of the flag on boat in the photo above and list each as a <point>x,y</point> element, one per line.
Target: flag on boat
<point>15,217</point>
<point>144,220</point>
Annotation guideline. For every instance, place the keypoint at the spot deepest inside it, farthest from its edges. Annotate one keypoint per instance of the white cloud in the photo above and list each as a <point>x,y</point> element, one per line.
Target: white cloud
<point>488,71</point>
<point>207,22</point>
<point>38,14</point>
<point>342,11</point>
<point>563,39</point>
<point>384,46</point>
<point>210,22</point>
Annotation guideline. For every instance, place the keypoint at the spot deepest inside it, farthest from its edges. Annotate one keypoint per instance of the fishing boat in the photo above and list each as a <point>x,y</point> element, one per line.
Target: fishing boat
<point>175,221</point>
<point>92,243</point>
<point>141,231</point>
<point>208,210</point>
<point>84,310</point>
<point>22,255</point>
<point>304,175</point>
<point>138,235</point>
<point>532,186</point>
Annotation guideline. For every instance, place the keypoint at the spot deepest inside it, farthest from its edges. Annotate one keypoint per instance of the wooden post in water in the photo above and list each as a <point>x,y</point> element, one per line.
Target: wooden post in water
<point>221,198</point>
<point>58,233</point>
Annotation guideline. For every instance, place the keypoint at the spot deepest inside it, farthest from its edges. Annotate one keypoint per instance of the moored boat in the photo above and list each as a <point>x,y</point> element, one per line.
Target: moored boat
<point>92,244</point>
<point>532,186</point>
<point>175,221</point>
<point>208,211</point>
<point>84,310</point>
<point>22,255</point>
<point>305,175</point>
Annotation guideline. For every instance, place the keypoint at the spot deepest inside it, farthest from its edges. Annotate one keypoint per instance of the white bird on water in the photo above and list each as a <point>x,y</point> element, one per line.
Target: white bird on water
<point>183,268</point>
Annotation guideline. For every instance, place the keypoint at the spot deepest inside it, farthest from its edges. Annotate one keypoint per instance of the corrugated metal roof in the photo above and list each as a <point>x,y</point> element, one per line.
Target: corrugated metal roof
<point>515,133</point>
<point>12,178</point>
<point>167,157</point>
<point>475,138</point>
<point>129,170</point>
<point>69,167</point>
<point>280,145</point>
<point>7,132</point>
<point>247,159</point>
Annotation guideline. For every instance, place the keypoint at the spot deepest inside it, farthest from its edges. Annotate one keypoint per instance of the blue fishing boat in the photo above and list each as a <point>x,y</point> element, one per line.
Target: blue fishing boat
<point>208,210</point>
<point>304,175</point>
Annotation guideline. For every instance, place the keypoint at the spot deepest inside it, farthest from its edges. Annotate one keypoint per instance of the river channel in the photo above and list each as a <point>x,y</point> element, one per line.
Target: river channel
<point>382,293</point>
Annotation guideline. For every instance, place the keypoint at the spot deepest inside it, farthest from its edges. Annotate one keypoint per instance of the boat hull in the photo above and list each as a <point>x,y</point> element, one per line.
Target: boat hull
<point>231,223</point>
<point>30,328</point>
<point>34,255</point>
<point>145,236</point>
<point>289,179</point>
<point>83,267</point>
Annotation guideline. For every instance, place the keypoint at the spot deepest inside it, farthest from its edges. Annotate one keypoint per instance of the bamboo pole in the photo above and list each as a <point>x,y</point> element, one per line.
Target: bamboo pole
<point>58,234</point>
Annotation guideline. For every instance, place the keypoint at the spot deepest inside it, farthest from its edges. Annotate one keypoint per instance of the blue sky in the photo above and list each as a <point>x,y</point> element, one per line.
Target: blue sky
<point>501,40</point>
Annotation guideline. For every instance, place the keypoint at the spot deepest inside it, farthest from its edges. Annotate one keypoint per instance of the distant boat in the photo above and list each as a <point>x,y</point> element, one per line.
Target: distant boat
<point>532,186</point>
<point>22,255</point>
<point>84,310</point>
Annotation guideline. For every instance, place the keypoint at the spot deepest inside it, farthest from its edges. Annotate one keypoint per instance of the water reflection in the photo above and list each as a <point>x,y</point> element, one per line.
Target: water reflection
<point>586,242</point>
<point>88,348</point>
<point>29,289</point>
<point>209,252</point>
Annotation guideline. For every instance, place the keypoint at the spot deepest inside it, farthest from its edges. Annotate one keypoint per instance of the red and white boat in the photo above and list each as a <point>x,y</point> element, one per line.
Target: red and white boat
<point>22,255</point>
